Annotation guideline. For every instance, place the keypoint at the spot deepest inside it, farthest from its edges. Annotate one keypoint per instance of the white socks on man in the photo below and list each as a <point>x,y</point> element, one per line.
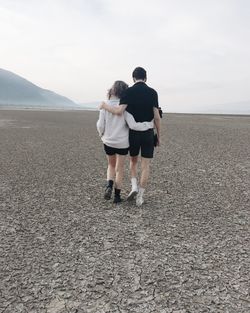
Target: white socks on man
<point>134,184</point>
<point>135,191</point>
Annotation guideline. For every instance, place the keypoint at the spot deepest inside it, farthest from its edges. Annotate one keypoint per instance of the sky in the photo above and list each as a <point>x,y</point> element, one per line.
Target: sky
<point>196,52</point>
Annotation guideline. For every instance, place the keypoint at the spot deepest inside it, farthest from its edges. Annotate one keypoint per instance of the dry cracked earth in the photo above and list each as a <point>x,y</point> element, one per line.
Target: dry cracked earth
<point>63,248</point>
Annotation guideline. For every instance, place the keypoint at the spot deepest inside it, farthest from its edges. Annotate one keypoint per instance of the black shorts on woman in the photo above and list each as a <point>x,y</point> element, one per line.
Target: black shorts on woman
<point>112,151</point>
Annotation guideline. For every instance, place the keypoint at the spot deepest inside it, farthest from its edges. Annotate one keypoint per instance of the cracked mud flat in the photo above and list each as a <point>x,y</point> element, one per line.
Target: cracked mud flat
<point>64,249</point>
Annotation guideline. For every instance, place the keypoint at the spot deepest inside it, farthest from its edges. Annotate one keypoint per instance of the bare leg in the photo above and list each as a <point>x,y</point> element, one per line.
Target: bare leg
<point>133,166</point>
<point>111,167</point>
<point>110,176</point>
<point>133,173</point>
<point>119,171</point>
<point>145,162</point>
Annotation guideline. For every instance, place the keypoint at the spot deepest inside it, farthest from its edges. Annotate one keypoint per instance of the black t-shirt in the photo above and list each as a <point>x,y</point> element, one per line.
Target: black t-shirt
<point>140,100</point>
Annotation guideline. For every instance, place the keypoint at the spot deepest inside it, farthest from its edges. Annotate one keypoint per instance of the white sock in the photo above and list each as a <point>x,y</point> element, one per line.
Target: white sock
<point>134,183</point>
<point>141,191</point>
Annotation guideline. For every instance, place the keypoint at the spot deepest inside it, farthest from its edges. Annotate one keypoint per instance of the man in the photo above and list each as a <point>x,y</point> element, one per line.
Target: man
<point>141,102</point>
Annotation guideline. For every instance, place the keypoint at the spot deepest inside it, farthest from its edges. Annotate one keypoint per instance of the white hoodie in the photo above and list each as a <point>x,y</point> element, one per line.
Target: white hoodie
<point>114,129</point>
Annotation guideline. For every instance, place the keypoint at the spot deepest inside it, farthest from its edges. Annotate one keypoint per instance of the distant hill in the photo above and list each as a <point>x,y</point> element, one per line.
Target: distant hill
<point>17,91</point>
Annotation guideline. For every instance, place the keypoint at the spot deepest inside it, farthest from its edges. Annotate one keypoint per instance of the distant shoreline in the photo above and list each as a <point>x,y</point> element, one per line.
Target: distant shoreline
<point>47,109</point>
<point>17,108</point>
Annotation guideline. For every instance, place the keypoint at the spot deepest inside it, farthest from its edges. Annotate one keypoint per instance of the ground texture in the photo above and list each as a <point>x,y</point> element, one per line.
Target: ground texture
<point>65,249</point>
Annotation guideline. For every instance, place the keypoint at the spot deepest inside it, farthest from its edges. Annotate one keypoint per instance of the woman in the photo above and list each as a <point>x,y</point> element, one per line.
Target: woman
<point>114,132</point>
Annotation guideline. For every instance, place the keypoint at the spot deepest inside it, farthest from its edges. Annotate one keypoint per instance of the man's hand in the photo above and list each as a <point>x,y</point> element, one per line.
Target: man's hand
<point>102,105</point>
<point>158,142</point>
<point>157,121</point>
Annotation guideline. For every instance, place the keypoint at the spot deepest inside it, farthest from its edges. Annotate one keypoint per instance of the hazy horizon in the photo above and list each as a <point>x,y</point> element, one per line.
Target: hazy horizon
<point>196,53</point>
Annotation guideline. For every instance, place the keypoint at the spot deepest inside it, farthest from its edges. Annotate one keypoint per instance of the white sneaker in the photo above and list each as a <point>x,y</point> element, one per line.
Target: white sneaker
<point>139,200</point>
<point>132,194</point>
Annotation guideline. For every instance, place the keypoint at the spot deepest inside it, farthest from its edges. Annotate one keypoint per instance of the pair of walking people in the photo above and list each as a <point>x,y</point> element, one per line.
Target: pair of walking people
<point>126,124</point>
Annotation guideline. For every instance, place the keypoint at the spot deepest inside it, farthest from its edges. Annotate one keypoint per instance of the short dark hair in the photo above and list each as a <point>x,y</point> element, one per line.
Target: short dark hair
<point>139,73</point>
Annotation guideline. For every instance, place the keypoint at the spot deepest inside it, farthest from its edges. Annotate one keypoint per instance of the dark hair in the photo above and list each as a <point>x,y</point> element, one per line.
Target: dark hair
<point>117,89</point>
<point>139,73</point>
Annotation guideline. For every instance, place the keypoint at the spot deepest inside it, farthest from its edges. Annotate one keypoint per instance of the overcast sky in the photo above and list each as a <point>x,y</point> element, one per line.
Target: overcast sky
<point>196,52</point>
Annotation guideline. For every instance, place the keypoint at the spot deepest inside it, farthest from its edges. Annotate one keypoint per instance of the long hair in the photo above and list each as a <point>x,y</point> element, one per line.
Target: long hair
<point>117,89</point>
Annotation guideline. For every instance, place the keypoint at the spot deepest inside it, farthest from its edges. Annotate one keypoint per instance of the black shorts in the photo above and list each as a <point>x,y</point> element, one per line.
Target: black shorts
<point>113,151</point>
<point>141,140</point>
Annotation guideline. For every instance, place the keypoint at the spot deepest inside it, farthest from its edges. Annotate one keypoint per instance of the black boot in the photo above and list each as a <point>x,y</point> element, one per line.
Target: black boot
<point>108,190</point>
<point>117,198</point>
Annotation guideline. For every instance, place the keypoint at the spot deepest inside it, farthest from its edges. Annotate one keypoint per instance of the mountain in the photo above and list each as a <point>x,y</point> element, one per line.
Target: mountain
<point>17,91</point>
